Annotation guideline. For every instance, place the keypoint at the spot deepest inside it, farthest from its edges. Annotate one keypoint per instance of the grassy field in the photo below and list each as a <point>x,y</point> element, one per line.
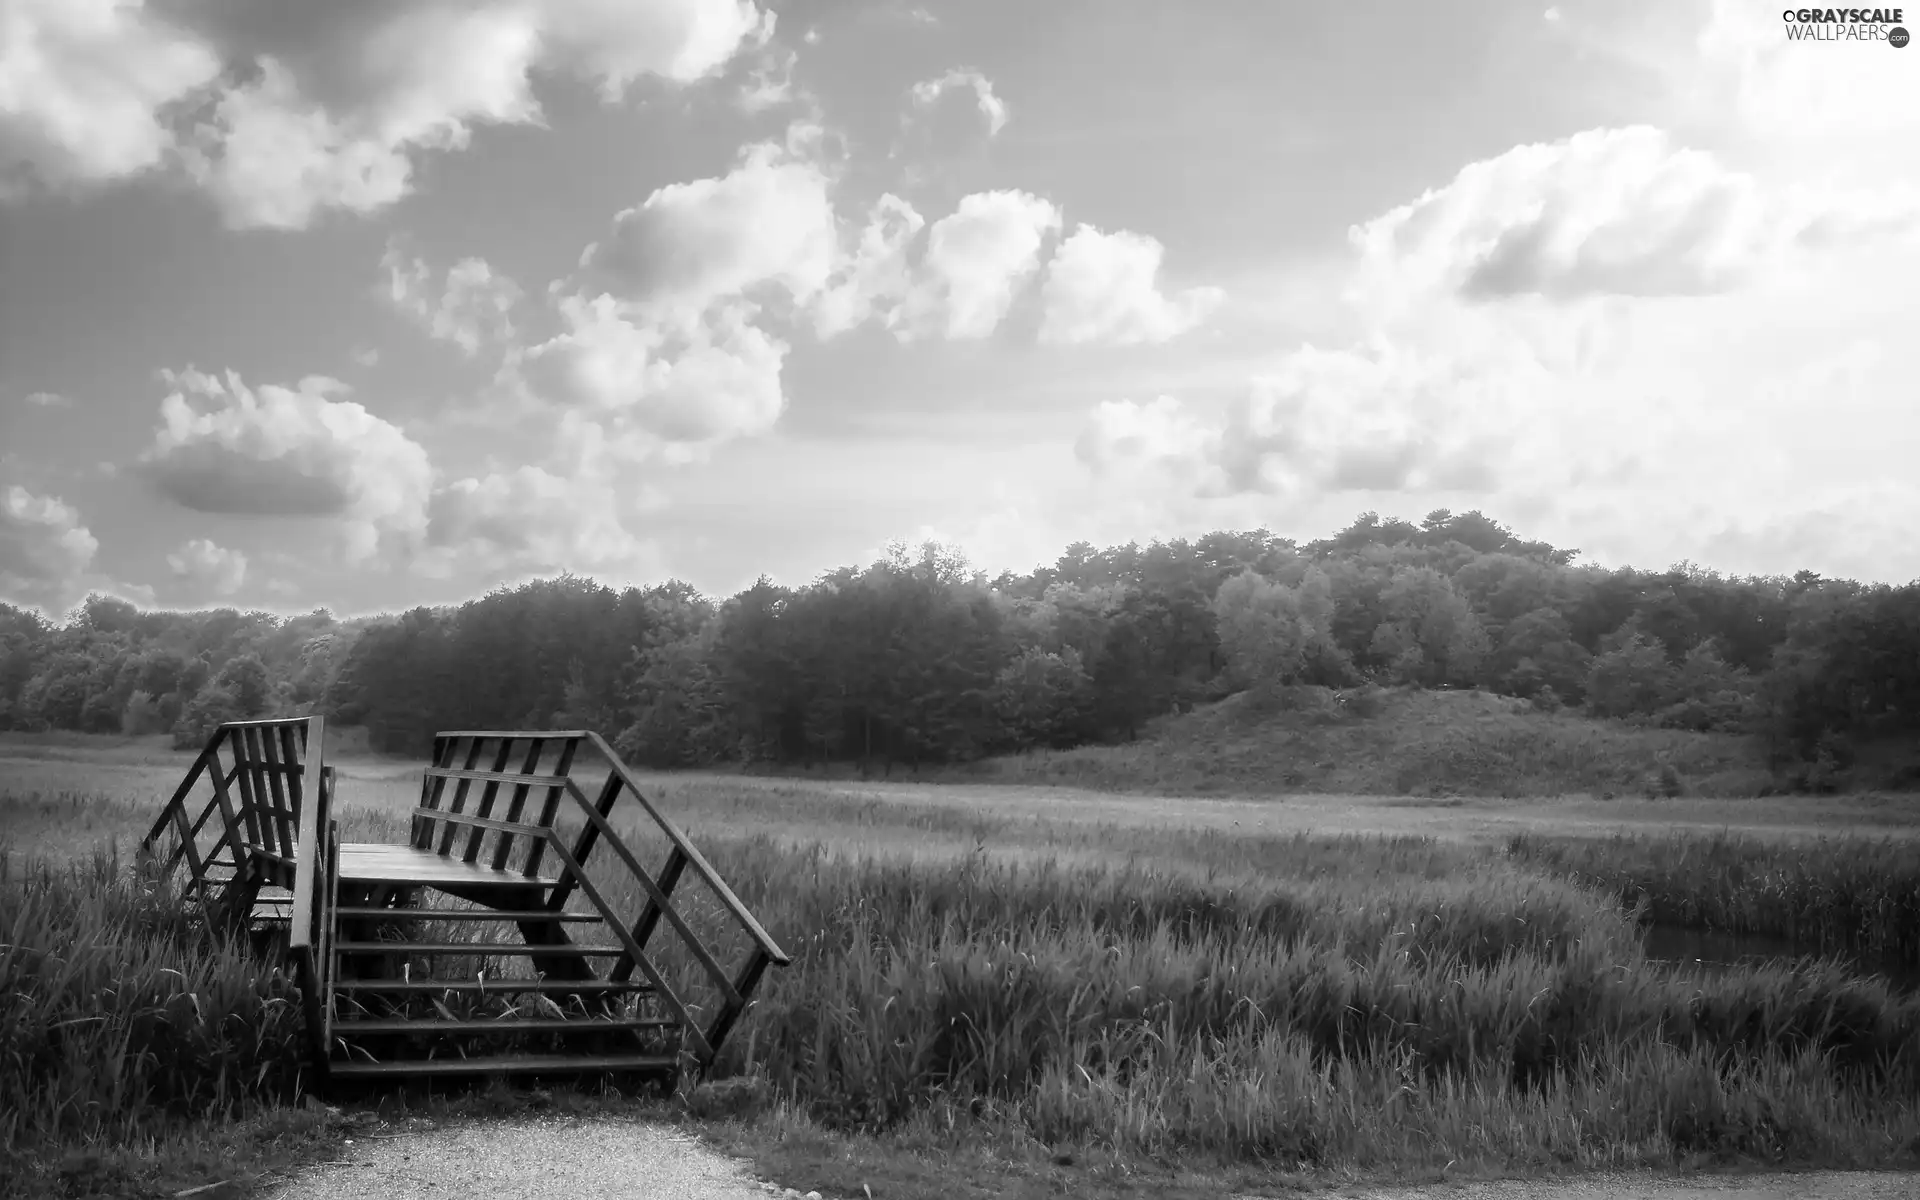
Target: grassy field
<point>1244,991</point>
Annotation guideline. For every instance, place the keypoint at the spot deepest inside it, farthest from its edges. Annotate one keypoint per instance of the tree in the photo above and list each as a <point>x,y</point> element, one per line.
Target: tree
<point>1632,678</point>
<point>1431,635</point>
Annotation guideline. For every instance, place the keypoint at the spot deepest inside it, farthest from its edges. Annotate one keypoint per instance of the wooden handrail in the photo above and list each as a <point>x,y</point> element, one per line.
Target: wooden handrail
<point>695,859</point>
<point>309,855</point>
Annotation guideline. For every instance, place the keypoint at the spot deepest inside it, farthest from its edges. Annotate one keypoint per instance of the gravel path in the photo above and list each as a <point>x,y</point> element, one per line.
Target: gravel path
<point>567,1158</point>
<point>540,1159</point>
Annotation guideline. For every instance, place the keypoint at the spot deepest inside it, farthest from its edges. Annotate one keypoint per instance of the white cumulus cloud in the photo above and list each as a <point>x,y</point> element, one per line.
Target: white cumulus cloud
<point>223,447</point>
<point>1104,288</point>
<point>673,389</point>
<point>1607,212</point>
<point>769,221</point>
<point>976,260</point>
<point>206,564</point>
<point>993,109</point>
<point>310,107</point>
<point>45,550</point>
<point>472,308</point>
<point>82,86</point>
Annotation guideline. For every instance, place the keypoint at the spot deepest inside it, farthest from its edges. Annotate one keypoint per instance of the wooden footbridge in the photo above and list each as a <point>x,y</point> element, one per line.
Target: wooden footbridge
<point>513,929</point>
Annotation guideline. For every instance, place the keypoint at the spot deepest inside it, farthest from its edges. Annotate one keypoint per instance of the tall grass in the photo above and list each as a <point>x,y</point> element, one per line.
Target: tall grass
<point>1332,1022</point>
<point>1849,894</point>
<point>115,1010</point>
<point>1337,1002</point>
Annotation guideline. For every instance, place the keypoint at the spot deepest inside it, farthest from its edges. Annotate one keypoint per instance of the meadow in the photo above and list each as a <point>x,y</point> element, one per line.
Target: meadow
<point>1296,985</point>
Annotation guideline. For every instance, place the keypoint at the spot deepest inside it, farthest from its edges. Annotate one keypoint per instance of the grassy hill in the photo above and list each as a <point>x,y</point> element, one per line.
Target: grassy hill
<point>1429,743</point>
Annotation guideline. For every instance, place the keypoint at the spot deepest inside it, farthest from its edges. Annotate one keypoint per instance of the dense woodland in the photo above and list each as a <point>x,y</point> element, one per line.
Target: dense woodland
<point>919,659</point>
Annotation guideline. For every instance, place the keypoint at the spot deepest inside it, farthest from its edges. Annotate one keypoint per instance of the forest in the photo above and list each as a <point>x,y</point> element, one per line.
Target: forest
<point>918,659</point>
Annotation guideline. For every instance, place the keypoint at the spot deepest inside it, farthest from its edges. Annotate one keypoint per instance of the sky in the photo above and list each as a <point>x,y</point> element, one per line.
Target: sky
<point>380,303</point>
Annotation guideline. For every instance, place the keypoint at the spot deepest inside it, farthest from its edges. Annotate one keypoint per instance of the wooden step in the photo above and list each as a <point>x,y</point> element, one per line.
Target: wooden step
<point>551,1064</point>
<point>488,948</point>
<point>343,1027</point>
<point>490,987</point>
<point>465,914</point>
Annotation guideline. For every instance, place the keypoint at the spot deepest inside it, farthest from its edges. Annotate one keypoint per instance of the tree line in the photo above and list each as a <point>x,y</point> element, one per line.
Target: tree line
<point>917,658</point>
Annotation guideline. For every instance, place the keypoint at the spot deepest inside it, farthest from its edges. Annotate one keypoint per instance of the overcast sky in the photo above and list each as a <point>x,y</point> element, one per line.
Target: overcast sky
<point>375,303</point>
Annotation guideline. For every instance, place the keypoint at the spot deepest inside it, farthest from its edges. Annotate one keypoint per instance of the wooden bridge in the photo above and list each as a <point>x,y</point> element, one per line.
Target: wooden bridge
<point>480,943</point>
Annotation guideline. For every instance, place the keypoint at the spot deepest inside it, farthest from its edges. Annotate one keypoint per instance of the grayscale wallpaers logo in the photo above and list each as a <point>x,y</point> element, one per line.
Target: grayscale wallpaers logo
<point>1846,25</point>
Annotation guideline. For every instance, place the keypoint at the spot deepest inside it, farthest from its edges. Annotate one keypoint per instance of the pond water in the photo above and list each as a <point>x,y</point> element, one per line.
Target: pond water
<point>1703,950</point>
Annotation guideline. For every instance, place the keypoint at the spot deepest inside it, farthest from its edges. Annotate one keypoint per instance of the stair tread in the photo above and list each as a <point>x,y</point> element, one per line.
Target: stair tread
<point>491,985</point>
<point>349,1028</point>
<point>527,1063</point>
<point>488,948</point>
<point>465,914</point>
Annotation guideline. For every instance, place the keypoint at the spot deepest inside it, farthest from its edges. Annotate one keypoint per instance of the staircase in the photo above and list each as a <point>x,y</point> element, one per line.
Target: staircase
<point>483,945</point>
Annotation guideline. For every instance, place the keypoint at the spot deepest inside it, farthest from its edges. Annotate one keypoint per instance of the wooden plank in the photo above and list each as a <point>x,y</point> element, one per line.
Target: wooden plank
<point>458,802</point>
<point>362,863</point>
<point>309,872</point>
<point>482,822</point>
<point>551,1064</point>
<point>660,987</point>
<point>650,916</point>
<point>698,860</point>
<point>282,816</point>
<point>518,806</point>
<point>550,809</point>
<point>743,988</point>
<point>484,949</point>
<point>518,916</point>
<point>589,833</point>
<point>186,786</point>
<point>517,734</point>
<point>410,1025</point>
<point>488,795</point>
<point>503,985</point>
<point>249,803</point>
<point>522,778</point>
<point>658,897</point>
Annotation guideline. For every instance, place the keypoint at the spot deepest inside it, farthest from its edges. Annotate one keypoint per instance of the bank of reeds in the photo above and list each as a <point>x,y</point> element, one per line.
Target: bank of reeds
<point>1845,894</point>
<point>116,1009</point>
<point>1343,1003</point>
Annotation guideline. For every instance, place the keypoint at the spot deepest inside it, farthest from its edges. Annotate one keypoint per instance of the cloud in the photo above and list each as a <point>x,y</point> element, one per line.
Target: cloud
<point>44,550</point>
<point>769,221</point>
<point>927,93</point>
<point>533,518</point>
<point>1858,531</point>
<point>473,307</point>
<point>874,278</point>
<point>48,400</point>
<point>209,566</point>
<point>1605,212</point>
<point>676,390</point>
<point>224,448</point>
<point>1368,418</point>
<point>303,107</point>
<point>975,261</point>
<point>1102,287</point>
<point>1125,437</point>
<point>83,86</point>
<point>770,84</point>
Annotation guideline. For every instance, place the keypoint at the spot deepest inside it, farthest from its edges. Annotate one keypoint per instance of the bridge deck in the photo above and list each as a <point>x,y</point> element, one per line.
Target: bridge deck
<point>378,863</point>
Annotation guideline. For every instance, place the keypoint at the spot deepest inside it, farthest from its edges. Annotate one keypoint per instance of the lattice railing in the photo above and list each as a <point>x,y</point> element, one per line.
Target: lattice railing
<point>706,969</point>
